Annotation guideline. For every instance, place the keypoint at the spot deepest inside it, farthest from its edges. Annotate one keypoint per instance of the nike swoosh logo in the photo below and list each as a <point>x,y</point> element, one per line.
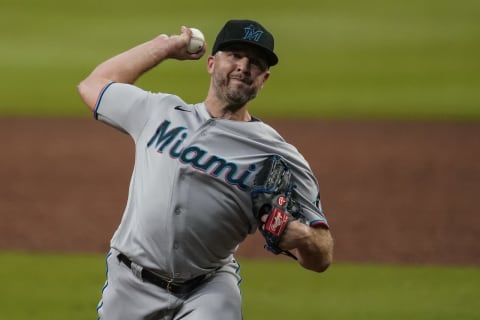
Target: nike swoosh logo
<point>181,109</point>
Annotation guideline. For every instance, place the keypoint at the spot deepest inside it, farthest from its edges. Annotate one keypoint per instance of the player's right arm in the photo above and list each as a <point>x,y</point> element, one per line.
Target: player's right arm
<point>128,66</point>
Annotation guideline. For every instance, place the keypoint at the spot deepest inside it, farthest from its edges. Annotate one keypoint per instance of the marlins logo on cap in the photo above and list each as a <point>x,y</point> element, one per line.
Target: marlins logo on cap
<point>247,32</point>
<point>252,34</point>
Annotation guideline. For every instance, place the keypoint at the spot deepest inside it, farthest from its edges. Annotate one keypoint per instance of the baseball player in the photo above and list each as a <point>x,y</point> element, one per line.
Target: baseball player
<point>190,201</point>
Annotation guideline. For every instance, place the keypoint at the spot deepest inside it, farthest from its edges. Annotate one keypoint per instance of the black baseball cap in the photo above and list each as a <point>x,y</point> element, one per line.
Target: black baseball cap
<point>249,32</point>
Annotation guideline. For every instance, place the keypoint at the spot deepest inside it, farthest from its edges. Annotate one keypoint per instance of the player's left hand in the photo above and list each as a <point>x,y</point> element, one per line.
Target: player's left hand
<point>296,234</point>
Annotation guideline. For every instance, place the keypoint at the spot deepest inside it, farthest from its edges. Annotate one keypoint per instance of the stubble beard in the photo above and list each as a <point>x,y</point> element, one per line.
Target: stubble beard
<point>235,97</point>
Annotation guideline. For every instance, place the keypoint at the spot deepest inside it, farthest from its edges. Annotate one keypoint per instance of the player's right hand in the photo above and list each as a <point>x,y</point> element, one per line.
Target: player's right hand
<point>177,46</point>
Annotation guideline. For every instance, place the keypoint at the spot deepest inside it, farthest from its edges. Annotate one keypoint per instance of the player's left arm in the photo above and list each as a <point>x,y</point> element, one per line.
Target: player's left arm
<point>313,245</point>
<point>310,239</point>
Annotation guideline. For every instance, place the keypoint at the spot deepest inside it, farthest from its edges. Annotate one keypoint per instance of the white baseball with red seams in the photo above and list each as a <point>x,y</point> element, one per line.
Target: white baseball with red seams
<point>196,42</point>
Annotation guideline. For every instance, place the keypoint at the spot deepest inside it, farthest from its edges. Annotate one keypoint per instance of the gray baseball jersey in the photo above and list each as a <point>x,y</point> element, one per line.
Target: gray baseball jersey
<point>189,204</point>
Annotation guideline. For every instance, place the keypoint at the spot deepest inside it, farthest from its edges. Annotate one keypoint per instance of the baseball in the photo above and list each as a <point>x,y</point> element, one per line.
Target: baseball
<point>196,42</point>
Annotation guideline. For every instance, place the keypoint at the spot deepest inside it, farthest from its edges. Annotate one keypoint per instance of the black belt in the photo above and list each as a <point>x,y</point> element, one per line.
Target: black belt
<point>169,285</point>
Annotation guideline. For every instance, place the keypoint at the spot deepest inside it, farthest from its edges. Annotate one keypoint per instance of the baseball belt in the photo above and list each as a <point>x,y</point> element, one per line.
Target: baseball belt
<point>167,284</point>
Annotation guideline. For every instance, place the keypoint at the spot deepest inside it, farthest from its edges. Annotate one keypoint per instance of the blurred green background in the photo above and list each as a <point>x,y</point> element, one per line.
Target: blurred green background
<point>341,59</point>
<point>51,287</point>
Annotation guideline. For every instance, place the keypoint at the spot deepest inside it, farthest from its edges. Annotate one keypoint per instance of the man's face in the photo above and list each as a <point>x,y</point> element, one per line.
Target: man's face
<point>238,73</point>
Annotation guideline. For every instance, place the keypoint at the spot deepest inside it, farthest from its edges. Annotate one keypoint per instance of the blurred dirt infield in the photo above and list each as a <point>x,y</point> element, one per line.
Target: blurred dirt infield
<point>394,192</point>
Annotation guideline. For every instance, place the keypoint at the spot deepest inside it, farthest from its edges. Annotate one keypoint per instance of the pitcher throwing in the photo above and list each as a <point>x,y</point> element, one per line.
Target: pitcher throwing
<point>199,185</point>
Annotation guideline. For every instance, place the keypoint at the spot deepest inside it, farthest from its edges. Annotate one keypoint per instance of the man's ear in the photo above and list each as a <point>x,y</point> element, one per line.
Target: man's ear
<point>265,77</point>
<point>210,64</point>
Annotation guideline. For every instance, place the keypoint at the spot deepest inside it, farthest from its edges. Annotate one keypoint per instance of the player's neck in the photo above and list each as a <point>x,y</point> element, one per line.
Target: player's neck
<point>220,110</point>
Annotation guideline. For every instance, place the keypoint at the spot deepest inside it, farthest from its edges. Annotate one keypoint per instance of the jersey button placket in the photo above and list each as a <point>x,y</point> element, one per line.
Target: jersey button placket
<point>211,123</point>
